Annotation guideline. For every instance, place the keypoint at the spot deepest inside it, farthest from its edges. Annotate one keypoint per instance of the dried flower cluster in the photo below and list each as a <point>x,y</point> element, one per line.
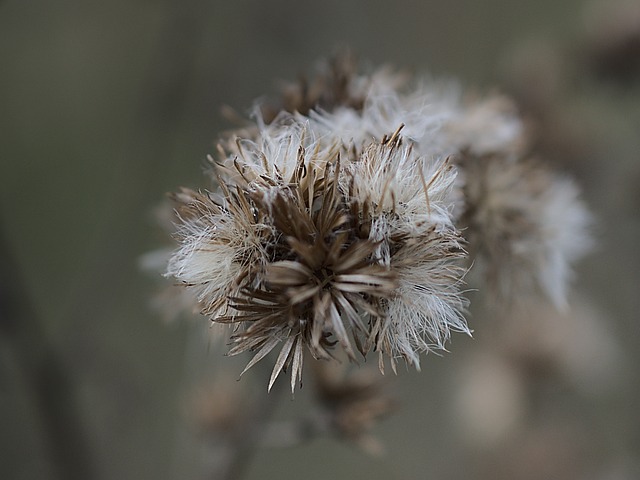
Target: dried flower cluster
<point>335,225</point>
<point>525,226</point>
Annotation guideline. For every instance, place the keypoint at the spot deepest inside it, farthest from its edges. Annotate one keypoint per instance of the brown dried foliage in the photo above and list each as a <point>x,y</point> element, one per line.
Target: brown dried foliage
<point>332,86</point>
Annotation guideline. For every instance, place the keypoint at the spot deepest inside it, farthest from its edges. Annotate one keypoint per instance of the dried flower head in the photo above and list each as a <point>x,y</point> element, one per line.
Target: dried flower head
<point>336,83</point>
<point>334,223</point>
<point>525,226</point>
<point>311,245</point>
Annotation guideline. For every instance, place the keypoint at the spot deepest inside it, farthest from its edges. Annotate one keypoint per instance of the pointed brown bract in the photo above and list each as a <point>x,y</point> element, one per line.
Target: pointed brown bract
<point>336,83</point>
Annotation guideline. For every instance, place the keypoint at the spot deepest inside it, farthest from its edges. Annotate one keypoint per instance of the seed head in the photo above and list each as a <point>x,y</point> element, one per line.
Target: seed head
<point>334,224</point>
<point>525,226</point>
<point>309,245</point>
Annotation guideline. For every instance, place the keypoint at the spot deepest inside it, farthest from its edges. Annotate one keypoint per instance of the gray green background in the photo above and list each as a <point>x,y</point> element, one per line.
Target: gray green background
<point>105,106</point>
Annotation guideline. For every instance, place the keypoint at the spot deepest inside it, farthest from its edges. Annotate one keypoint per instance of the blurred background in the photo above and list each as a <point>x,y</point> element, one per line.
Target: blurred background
<point>106,106</point>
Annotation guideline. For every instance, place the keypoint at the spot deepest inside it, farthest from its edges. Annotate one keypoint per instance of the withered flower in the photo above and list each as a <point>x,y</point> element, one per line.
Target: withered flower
<point>337,82</point>
<point>525,226</point>
<point>334,225</point>
<point>310,245</point>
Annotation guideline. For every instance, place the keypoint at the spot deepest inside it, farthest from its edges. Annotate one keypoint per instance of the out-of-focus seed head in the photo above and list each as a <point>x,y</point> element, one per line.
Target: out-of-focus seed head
<point>525,227</point>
